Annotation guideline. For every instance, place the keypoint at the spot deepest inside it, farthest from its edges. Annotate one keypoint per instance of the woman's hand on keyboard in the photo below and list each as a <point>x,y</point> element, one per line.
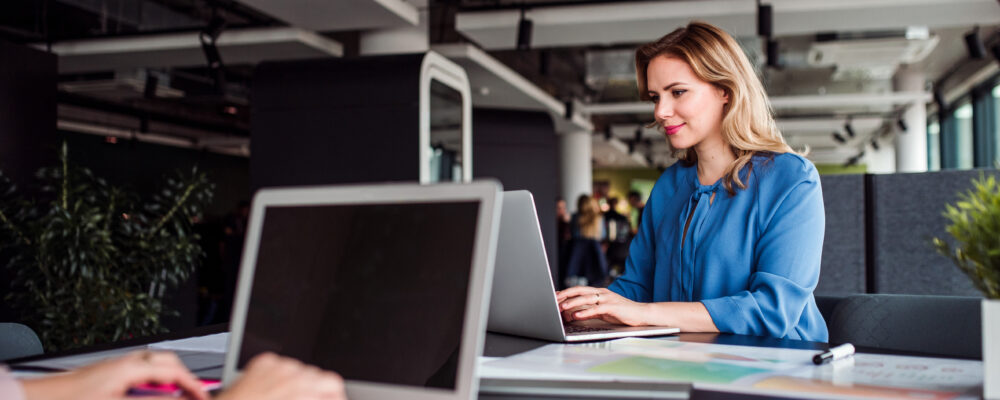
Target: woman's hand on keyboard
<point>584,303</point>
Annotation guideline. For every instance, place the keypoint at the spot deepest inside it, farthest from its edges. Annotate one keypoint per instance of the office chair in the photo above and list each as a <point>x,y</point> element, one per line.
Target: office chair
<point>948,326</point>
<point>18,341</point>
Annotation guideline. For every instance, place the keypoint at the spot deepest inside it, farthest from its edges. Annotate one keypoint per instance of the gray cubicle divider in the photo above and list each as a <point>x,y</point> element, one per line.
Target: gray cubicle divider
<point>27,124</point>
<point>843,267</point>
<point>328,121</point>
<point>520,149</point>
<point>366,119</point>
<point>906,214</point>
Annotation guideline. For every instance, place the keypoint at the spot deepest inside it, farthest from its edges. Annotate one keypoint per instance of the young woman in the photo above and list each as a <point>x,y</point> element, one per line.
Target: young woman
<point>731,235</point>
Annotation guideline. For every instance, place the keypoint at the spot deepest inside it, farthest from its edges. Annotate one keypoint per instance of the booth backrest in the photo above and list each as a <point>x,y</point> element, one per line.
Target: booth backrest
<point>879,230</point>
<point>934,325</point>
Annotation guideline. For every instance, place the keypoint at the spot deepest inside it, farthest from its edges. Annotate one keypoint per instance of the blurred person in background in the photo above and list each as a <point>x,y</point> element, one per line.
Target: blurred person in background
<point>586,264</point>
<point>617,234</point>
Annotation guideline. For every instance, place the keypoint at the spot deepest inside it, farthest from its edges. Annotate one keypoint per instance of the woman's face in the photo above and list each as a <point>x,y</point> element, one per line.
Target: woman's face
<point>687,108</point>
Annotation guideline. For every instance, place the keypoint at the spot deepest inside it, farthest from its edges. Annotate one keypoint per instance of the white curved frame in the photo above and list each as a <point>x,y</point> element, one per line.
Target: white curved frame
<point>437,67</point>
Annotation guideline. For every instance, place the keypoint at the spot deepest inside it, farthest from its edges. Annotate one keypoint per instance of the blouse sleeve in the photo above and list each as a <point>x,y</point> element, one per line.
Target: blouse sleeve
<point>786,262</point>
<point>635,283</point>
<point>10,388</point>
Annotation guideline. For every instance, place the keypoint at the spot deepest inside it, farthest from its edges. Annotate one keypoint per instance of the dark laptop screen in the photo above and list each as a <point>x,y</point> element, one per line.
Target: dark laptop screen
<point>374,292</point>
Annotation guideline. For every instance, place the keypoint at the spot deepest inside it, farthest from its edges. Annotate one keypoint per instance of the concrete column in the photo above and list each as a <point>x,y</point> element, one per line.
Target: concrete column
<point>881,161</point>
<point>911,145</point>
<point>408,39</point>
<point>575,169</point>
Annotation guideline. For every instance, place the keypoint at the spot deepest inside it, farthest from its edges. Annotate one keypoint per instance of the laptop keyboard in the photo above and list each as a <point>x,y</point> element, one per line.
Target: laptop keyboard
<point>584,329</point>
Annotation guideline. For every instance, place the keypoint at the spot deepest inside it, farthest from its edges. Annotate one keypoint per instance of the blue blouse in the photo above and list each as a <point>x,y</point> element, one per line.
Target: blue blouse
<point>751,258</point>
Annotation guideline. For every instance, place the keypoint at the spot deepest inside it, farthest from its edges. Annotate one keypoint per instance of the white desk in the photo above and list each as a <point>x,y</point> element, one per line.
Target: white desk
<point>683,366</point>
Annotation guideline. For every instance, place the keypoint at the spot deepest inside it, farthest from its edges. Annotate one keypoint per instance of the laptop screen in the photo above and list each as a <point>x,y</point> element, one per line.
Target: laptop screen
<point>375,292</point>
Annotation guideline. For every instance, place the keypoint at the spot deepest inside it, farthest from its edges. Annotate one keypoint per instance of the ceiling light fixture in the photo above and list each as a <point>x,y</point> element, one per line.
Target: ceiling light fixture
<point>764,20</point>
<point>839,138</point>
<point>854,160</point>
<point>773,52</point>
<point>208,37</point>
<point>939,100</point>
<point>974,44</point>
<point>524,28</point>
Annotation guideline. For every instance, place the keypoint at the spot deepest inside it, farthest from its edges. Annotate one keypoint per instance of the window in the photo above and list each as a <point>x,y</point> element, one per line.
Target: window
<point>996,124</point>
<point>963,135</point>
<point>933,144</point>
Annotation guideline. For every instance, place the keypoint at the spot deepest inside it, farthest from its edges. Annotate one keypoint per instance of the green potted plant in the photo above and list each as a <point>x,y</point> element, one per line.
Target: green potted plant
<point>975,226</point>
<point>90,261</point>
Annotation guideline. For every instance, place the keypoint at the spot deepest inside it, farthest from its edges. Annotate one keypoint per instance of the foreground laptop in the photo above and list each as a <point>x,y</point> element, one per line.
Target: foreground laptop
<point>384,284</point>
<point>523,301</point>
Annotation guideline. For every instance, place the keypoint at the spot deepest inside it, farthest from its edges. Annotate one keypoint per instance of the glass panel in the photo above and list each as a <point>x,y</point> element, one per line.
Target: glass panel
<point>446,134</point>
<point>996,126</point>
<point>934,144</point>
<point>963,135</point>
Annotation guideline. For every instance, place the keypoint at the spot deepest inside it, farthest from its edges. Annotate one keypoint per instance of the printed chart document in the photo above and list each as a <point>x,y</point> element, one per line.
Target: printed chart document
<point>745,369</point>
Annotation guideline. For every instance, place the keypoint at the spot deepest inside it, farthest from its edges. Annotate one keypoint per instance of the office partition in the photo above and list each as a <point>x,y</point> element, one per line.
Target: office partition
<point>843,267</point>
<point>520,149</point>
<point>906,213</point>
<point>367,119</point>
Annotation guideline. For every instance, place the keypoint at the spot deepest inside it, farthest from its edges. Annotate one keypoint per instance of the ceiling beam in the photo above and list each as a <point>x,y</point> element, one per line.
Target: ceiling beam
<point>826,101</point>
<point>496,85</point>
<point>640,22</point>
<point>339,15</point>
<point>237,46</point>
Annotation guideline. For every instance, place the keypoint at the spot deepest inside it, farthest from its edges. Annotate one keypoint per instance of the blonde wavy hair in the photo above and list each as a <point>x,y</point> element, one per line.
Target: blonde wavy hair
<point>589,217</point>
<point>747,121</point>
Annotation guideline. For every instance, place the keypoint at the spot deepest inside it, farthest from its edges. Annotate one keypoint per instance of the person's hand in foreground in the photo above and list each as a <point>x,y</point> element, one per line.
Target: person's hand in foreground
<point>583,303</point>
<point>271,377</point>
<point>111,379</point>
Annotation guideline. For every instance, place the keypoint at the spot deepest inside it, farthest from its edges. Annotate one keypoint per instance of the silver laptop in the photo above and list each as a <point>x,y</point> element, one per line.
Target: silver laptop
<point>384,284</point>
<point>524,301</point>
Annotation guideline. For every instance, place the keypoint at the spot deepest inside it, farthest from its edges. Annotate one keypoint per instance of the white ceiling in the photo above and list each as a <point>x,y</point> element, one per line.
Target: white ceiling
<point>640,22</point>
<point>237,46</point>
<point>339,15</point>
<point>850,75</point>
<point>494,85</point>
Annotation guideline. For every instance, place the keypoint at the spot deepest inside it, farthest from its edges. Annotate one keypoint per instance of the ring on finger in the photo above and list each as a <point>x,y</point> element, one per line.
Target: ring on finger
<point>598,298</point>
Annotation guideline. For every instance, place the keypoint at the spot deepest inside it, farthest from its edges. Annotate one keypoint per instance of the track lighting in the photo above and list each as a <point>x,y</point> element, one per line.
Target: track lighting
<point>839,138</point>
<point>974,44</point>
<point>848,128</point>
<point>939,100</point>
<point>764,20</point>
<point>524,28</point>
<point>773,52</point>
